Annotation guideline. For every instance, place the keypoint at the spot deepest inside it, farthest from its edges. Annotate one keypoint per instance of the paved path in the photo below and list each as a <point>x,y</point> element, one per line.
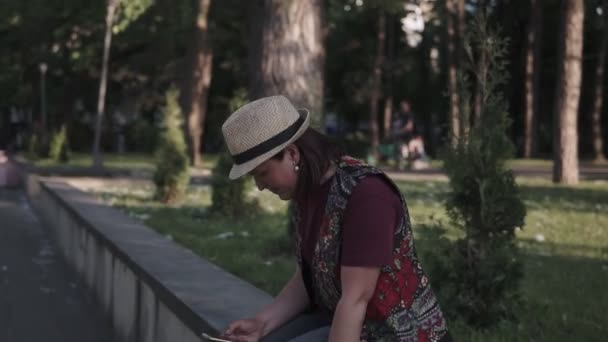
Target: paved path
<point>586,172</point>
<point>40,299</point>
<point>202,176</point>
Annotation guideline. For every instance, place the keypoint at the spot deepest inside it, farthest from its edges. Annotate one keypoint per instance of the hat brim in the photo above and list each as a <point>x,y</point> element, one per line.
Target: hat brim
<point>240,170</point>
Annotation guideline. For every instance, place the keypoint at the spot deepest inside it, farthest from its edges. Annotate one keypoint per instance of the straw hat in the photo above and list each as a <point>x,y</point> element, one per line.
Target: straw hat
<point>261,129</point>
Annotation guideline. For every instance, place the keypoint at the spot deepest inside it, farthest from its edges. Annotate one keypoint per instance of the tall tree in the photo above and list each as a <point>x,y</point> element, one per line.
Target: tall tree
<point>288,52</point>
<point>532,75</point>
<point>287,55</point>
<point>596,116</point>
<point>377,84</point>
<point>101,101</point>
<point>485,266</point>
<point>565,147</point>
<point>200,73</point>
<point>119,15</point>
<point>453,58</point>
<point>460,25</point>
<point>388,101</point>
<point>482,72</point>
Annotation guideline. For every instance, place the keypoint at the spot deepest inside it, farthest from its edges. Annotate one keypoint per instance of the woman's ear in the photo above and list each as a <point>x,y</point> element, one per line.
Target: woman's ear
<point>293,153</point>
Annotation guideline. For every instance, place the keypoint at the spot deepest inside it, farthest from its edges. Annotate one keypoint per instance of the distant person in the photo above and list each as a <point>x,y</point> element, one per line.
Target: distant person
<point>331,124</point>
<point>416,147</point>
<point>403,123</point>
<point>408,134</point>
<point>9,174</point>
<point>357,268</point>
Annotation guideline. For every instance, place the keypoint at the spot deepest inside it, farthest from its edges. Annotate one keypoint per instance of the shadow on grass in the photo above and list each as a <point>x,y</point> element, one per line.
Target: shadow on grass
<point>560,194</point>
<point>571,291</point>
<point>136,174</point>
<point>546,248</point>
<point>255,248</point>
<point>565,296</point>
<point>583,199</point>
<point>565,292</point>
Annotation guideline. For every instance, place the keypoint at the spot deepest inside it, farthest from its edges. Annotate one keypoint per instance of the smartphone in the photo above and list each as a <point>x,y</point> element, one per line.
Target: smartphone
<point>211,338</point>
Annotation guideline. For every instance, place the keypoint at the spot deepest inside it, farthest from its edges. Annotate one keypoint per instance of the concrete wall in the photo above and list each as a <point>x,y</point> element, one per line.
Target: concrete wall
<point>151,288</point>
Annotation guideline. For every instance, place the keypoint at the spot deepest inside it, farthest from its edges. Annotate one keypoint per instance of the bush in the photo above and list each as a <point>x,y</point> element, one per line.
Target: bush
<point>478,275</point>
<point>172,165</point>
<point>228,196</point>
<point>59,148</point>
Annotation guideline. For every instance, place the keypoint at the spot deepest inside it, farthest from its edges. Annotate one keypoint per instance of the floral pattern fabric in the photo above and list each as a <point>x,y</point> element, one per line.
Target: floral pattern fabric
<point>403,307</point>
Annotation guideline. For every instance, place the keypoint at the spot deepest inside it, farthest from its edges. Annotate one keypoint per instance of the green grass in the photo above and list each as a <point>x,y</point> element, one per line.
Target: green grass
<point>129,161</point>
<point>565,252</point>
<point>529,164</point>
<point>142,161</point>
<point>255,248</point>
<point>564,245</point>
<point>145,161</point>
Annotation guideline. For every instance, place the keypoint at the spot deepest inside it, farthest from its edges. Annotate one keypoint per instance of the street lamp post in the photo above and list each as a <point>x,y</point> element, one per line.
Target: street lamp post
<point>43,68</point>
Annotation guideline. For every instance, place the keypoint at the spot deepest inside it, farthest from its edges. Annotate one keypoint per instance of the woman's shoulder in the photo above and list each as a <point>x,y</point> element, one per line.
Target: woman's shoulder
<point>375,184</point>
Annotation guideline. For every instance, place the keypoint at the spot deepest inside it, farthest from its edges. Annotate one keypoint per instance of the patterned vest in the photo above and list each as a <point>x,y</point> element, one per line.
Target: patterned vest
<point>403,307</point>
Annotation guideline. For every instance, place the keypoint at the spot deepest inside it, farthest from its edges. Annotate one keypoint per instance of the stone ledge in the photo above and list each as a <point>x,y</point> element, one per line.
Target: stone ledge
<point>200,295</point>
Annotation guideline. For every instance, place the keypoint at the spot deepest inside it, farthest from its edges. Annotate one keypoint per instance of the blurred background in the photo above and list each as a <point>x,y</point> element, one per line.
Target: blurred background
<point>475,108</point>
<point>100,69</point>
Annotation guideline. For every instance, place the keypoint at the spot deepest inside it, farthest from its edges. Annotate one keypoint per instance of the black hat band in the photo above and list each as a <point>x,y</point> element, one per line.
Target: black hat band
<point>269,144</point>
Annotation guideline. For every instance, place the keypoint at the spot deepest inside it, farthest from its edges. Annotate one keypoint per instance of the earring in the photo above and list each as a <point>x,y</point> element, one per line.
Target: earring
<point>296,168</point>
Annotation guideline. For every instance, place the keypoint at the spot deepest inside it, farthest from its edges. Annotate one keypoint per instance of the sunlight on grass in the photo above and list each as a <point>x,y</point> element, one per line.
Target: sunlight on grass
<point>146,161</point>
<point>564,247</point>
<point>143,161</point>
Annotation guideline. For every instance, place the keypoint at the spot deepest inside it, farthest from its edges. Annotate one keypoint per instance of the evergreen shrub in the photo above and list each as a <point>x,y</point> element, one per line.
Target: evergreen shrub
<point>228,196</point>
<point>478,275</point>
<point>59,148</point>
<point>172,175</point>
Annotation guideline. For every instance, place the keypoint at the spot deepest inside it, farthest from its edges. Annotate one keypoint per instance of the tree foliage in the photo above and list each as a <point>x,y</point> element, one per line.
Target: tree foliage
<point>172,166</point>
<point>228,195</point>
<point>128,12</point>
<point>152,38</point>
<point>59,147</point>
<point>478,275</point>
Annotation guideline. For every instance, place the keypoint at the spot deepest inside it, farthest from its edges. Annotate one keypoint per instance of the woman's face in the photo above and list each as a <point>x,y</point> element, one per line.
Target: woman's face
<point>278,175</point>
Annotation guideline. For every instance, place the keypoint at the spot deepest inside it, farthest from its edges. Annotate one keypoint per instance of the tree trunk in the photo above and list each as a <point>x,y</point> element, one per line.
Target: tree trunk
<point>255,49</point>
<point>377,85</point>
<point>482,73</point>
<point>565,150</point>
<point>532,73</point>
<point>388,116</point>
<point>460,26</point>
<point>596,119</point>
<point>425,93</point>
<point>201,80</point>
<point>388,102</point>
<point>460,62</point>
<point>101,100</point>
<point>454,112</point>
<point>290,59</point>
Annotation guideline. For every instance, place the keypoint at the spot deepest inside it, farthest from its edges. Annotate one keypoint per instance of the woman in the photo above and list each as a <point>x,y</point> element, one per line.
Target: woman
<point>356,259</point>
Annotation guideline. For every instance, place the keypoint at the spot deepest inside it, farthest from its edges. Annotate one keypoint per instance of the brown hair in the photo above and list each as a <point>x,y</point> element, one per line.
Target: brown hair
<point>317,152</point>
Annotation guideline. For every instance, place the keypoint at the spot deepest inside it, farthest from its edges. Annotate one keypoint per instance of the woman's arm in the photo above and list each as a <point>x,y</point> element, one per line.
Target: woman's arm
<point>292,300</point>
<point>358,286</point>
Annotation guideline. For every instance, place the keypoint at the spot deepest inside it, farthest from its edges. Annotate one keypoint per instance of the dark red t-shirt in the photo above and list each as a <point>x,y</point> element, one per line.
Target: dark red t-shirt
<point>371,216</point>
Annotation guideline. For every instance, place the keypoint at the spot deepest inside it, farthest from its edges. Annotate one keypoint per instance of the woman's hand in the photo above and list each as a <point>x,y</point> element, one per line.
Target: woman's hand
<point>245,330</point>
<point>292,300</point>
